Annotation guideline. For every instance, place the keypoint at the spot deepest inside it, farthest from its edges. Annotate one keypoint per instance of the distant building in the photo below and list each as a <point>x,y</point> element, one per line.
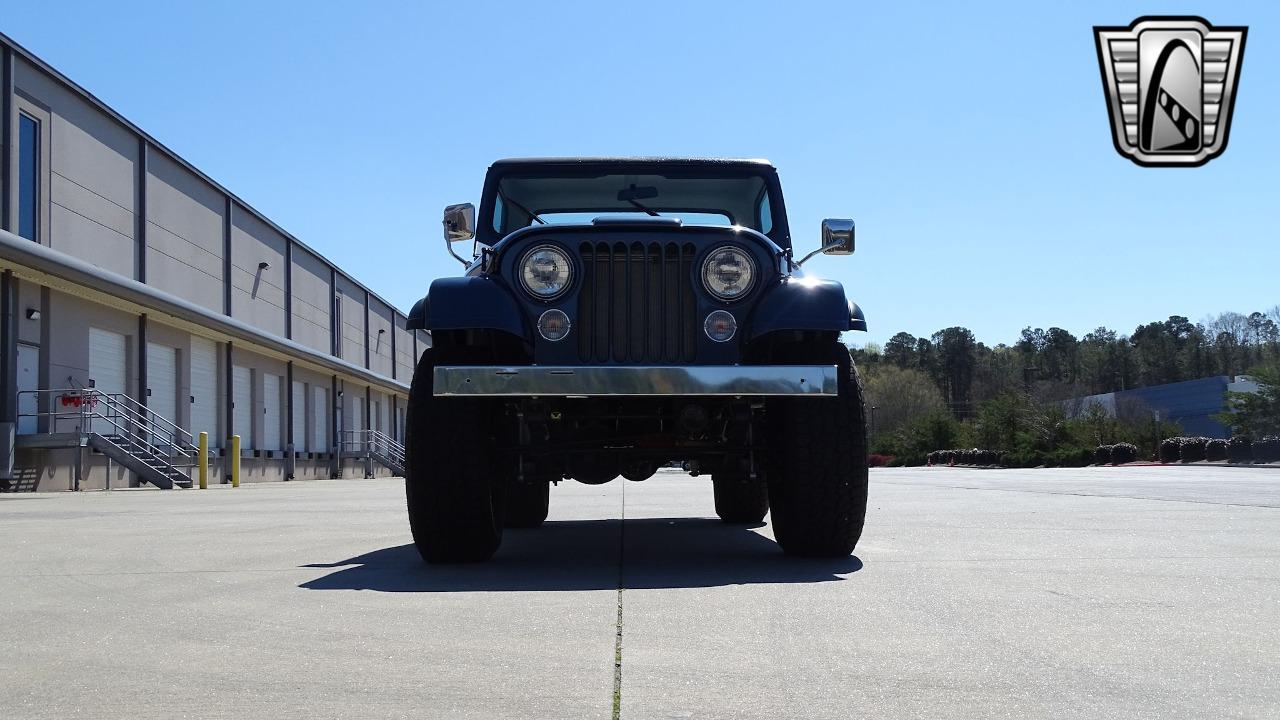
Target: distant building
<point>142,303</point>
<point>1192,403</point>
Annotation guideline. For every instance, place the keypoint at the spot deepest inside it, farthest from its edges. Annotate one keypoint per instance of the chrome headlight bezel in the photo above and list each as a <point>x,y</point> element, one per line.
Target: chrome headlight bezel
<point>748,261</point>
<point>523,271</point>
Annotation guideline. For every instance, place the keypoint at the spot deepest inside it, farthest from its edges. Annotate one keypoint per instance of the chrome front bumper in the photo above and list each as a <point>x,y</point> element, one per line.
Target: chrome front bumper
<point>631,381</point>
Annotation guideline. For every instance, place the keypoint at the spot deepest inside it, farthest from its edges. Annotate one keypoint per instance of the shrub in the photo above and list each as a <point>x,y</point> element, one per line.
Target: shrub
<point>1215,450</point>
<point>1102,455</point>
<point>878,460</point>
<point>1024,458</point>
<point>1266,449</point>
<point>1122,453</point>
<point>1192,449</point>
<point>1240,449</point>
<point>1170,450</point>
<point>1070,457</point>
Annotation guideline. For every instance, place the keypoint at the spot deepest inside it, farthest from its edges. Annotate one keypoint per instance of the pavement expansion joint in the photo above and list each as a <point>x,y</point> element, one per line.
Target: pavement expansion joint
<point>617,638</point>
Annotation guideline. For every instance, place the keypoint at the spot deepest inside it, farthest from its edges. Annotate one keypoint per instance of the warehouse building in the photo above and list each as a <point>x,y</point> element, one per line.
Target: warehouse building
<point>142,303</point>
<point>1193,404</point>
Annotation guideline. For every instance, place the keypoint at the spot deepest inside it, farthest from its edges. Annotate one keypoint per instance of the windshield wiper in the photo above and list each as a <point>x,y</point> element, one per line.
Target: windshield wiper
<point>651,212</point>
<point>532,215</point>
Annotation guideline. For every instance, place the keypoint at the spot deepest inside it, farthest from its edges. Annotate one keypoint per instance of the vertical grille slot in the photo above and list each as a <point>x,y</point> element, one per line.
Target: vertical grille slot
<point>637,303</point>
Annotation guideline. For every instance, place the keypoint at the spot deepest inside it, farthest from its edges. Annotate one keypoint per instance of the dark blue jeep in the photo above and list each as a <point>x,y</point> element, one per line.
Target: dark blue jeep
<point>620,314</point>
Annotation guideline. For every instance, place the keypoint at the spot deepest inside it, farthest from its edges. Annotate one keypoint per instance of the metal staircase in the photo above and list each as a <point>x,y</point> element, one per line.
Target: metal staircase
<point>375,445</point>
<point>144,460</point>
<point>121,428</point>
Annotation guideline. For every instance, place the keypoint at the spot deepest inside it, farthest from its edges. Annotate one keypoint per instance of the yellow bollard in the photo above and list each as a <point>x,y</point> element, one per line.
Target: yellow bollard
<point>235,461</point>
<point>204,460</point>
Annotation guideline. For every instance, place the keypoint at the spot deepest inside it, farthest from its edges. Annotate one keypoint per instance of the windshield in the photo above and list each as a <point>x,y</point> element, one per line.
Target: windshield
<point>702,197</point>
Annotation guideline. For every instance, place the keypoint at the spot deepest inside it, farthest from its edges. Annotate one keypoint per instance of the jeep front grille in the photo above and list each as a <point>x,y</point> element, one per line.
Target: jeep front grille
<point>637,303</point>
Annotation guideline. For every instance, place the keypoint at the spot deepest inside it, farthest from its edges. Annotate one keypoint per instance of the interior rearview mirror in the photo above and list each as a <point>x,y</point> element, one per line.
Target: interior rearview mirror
<point>837,237</point>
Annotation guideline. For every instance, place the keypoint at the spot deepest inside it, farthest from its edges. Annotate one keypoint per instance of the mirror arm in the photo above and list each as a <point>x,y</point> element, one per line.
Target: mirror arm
<point>824,248</point>
<point>449,246</point>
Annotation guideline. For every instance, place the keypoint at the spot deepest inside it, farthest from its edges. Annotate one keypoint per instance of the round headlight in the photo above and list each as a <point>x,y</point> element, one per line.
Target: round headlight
<point>546,272</point>
<point>728,273</point>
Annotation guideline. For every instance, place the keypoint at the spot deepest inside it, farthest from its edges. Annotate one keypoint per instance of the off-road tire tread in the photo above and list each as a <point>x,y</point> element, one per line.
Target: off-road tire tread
<point>740,500</point>
<point>449,474</point>
<point>527,503</point>
<point>818,467</point>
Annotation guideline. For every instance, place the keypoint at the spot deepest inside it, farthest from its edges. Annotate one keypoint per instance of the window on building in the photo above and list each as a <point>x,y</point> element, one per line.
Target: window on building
<point>28,177</point>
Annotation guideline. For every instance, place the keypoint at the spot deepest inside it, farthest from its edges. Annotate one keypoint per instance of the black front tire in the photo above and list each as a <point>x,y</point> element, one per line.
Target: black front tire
<point>818,466</point>
<point>739,499</point>
<point>527,502</point>
<point>455,502</point>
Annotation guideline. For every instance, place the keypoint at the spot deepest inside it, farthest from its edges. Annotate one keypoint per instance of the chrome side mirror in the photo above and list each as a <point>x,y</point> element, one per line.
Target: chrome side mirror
<point>837,239</point>
<point>459,226</point>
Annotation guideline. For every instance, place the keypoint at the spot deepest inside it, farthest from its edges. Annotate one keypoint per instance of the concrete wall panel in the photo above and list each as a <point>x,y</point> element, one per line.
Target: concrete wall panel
<point>312,297</point>
<point>92,165</point>
<point>257,293</point>
<point>380,328</point>
<point>351,299</point>
<point>184,233</point>
<point>405,361</point>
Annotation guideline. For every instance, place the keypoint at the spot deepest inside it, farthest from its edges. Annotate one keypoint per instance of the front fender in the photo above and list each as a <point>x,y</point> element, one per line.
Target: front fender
<point>468,303</point>
<point>805,304</point>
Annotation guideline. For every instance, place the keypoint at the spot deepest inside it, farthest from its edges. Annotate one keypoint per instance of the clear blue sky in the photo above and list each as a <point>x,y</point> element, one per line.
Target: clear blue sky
<point>971,145</point>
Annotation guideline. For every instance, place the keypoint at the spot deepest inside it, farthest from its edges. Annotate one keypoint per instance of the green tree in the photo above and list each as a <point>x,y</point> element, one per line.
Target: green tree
<point>901,350</point>
<point>1256,414</point>
<point>954,369</point>
<point>1158,347</point>
<point>898,396</point>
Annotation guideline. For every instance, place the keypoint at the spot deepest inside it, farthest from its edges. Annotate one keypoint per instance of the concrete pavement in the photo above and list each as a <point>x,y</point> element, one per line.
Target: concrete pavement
<point>1107,592</point>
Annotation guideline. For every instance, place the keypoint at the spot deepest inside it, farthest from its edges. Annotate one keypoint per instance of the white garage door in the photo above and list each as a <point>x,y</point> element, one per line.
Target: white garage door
<point>270,411</point>
<point>242,405</point>
<point>204,390</point>
<point>319,419</point>
<point>162,388</point>
<point>28,383</point>
<point>298,411</point>
<point>108,362</point>
<point>357,412</point>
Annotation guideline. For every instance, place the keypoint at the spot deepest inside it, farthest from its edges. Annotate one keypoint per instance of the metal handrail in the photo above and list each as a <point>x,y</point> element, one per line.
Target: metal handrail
<point>174,430</point>
<point>127,416</point>
<point>374,441</point>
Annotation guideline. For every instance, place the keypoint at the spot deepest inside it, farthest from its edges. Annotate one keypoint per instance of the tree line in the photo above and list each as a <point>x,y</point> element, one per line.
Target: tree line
<point>950,391</point>
<point>1054,364</point>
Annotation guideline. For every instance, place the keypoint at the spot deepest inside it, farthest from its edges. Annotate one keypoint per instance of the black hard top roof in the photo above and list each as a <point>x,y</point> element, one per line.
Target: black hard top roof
<point>716,162</point>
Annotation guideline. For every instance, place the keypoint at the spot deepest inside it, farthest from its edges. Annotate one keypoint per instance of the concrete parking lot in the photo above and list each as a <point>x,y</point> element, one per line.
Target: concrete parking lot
<point>1107,592</point>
